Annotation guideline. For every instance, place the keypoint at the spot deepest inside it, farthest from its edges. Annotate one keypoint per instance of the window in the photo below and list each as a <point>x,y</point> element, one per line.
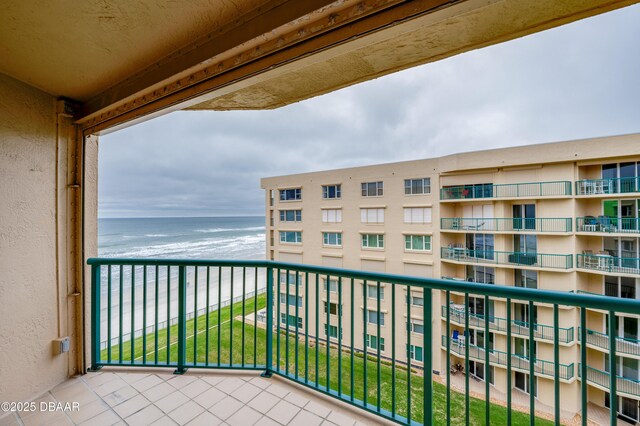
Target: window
<point>482,245</point>
<point>372,317</point>
<point>333,308</point>
<point>415,353</point>
<point>333,331</point>
<point>293,237</point>
<point>290,215</point>
<point>332,239</point>
<point>292,299</point>
<point>524,278</point>
<point>481,274</point>
<point>291,320</point>
<point>374,341</point>
<point>417,215</point>
<point>417,242</point>
<point>524,216</point>
<point>290,278</point>
<point>331,191</point>
<point>291,194</point>
<point>372,189</point>
<point>332,215</point>
<point>417,186</point>
<point>333,285</point>
<point>416,299</point>
<point>372,215</point>
<point>373,293</point>
<point>416,326</point>
<point>523,383</point>
<point>372,241</point>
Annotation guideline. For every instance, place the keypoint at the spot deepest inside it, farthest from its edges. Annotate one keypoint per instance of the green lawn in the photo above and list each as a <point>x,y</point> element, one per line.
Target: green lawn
<point>477,406</point>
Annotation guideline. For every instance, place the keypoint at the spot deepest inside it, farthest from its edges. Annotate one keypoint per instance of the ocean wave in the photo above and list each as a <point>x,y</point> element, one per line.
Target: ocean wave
<point>215,230</point>
<point>156,235</point>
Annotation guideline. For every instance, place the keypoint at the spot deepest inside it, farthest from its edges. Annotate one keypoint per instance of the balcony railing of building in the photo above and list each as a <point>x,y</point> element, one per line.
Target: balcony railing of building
<point>506,224</point>
<point>235,315</point>
<point>518,362</point>
<point>538,260</point>
<point>608,186</point>
<point>624,345</point>
<point>609,225</point>
<point>610,264</point>
<point>518,328</point>
<point>508,190</point>
<point>623,385</point>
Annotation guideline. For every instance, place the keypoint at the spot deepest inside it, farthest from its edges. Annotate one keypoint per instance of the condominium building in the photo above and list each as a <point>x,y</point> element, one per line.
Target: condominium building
<point>558,216</point>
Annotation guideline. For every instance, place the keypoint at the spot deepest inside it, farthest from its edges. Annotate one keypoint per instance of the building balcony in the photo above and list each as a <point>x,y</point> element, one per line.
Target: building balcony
<point>518,362</point>
<point>624,346</point>
<point>507,258</point>
<point>200,318</point>
<point>602,379</point>
<point>542,332</point>
<point>606,264</point>
<point>604,187</point>
<point>554,189</point>
<point>509,225</point>
<point>608,225</point>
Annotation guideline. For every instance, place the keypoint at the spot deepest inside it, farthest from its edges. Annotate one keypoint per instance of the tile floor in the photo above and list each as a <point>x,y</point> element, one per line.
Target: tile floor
<point>156,397</point>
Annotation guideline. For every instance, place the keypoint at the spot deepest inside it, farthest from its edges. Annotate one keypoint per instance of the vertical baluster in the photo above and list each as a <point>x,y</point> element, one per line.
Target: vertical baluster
<point>168,314</point>
<point>532,362</point>
<point>255,318</point>
<point>508,361</point>
<point>207,320</point>
<point>378,366</point>
<point>231,320</point>
<point>408,328</point>
<point>467,335</point>
<point>583,364</point>
<point>339,336</point>
<point>133,313</point>
<point>269,331</point>
<point>306,327</point>
<point>109,291</point>
<point>219,314</point>
<point>244,297</point>
<point>121,303</point>
<point>157,318</point>
<point>448,340</point>
<point>487,365</point>
<point>327,332</point>
<point>613,367</point>
<point>182,320</point>
<point>556,363</point>
<point>317,378</point>
<point>278,318</point>
<point>297,311</point>
<point>427,338</point>
<point>351,384</point>
<point>144,314</point>
<point>95,313</point>
<point>195,316</point>
<point>287,325</point>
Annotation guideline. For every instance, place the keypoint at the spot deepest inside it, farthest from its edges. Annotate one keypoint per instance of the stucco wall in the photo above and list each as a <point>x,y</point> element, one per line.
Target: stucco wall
<point>29,318</point>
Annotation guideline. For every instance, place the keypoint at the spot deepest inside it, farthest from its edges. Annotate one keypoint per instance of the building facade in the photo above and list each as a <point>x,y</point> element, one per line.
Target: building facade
<point>559,216</point>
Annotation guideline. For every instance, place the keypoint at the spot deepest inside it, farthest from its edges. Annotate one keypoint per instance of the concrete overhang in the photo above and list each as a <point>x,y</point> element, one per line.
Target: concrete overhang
<point>124,61</point>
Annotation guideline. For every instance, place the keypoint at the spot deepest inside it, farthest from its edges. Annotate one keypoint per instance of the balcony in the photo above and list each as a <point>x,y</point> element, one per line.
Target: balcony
<point>557,189</point>
<point>624,345</point>
<point>509,225</point>
<point>607,264</point>
<point>604,187</point>
<point>624,386</point>
<point>217,316</point>
<point>518,362</point>
<point>508,258</point>
<point>608,225</point>
<point>518,328</point>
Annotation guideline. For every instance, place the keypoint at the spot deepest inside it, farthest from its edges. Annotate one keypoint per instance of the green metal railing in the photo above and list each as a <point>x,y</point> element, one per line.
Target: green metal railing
<point>518,362</point>
<point>227,315</point>
<point>509,190</point>
<point>623,385</point>
<point>608,224</point>
<point>608,186</point>
<point>609,264</point>
<point>624,345</point>
<point>518,328</point>
<point>506,224</point>
<point>538,260</point>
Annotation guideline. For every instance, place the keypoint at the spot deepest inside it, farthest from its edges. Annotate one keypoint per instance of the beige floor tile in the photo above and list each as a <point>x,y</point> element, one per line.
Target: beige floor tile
<point>244,416</point>
<point>180,381</point>
<point>260,382</point>
<point>106,418</point>
<point>78,392</point>
<point>297,399</point>
<point>44,418</point>
<point>9,420</point>
<point>186,412</point>
<point>158,391</point>
<point>283,412</point>
<point>306,418</point>
<point>171,401</point>
<point>88,411</point>
<point>266,421</point>
<point>131,378</point>
<point>110,386</point>
<point>327,423</point>
<point>145,417</point>
<point>318,409</point>
<point>264,402</point>
<point>213,380</point>
<point>230,384</point>
<point>147,383</point>
<point>164,421</point>
<point>205,419</point>
<point>195,388</point>
<point>97,379</point>
<point>131,406</point>
<point>246,392</point>
<point>226,407</point>
<point>340,419</point>
<point>209,397</point>
<point>278,390</point>
<point>120,396</point>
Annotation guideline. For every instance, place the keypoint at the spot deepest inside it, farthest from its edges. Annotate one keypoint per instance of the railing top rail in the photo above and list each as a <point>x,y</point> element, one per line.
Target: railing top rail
<point>608,179</point>
<point>507,184</point>
<point>506,218</point>
<point>518,293</point>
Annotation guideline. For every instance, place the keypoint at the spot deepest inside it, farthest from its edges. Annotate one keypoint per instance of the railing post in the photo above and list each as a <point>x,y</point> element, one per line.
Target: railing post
<point>182,321</point>
<point>95,318</point>
<point>427,311</point>
<point>269,361</point>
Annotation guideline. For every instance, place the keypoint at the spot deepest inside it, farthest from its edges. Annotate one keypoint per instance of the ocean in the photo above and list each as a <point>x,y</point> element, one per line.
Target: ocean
<point>183,237</point>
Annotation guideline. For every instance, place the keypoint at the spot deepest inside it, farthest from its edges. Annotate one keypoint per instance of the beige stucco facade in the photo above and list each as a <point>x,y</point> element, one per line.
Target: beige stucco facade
<point>457,222</point>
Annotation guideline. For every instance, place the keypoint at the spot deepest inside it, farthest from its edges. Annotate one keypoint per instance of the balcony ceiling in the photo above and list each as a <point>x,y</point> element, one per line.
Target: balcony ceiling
<point>122,60</point>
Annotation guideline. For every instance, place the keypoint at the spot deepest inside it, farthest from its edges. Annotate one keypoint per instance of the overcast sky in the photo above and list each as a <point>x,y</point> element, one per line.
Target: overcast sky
<point>577,81</point>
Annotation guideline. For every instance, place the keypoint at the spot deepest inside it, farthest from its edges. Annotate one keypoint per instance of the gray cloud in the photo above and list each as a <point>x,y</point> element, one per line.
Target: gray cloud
<point>576,81</point>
